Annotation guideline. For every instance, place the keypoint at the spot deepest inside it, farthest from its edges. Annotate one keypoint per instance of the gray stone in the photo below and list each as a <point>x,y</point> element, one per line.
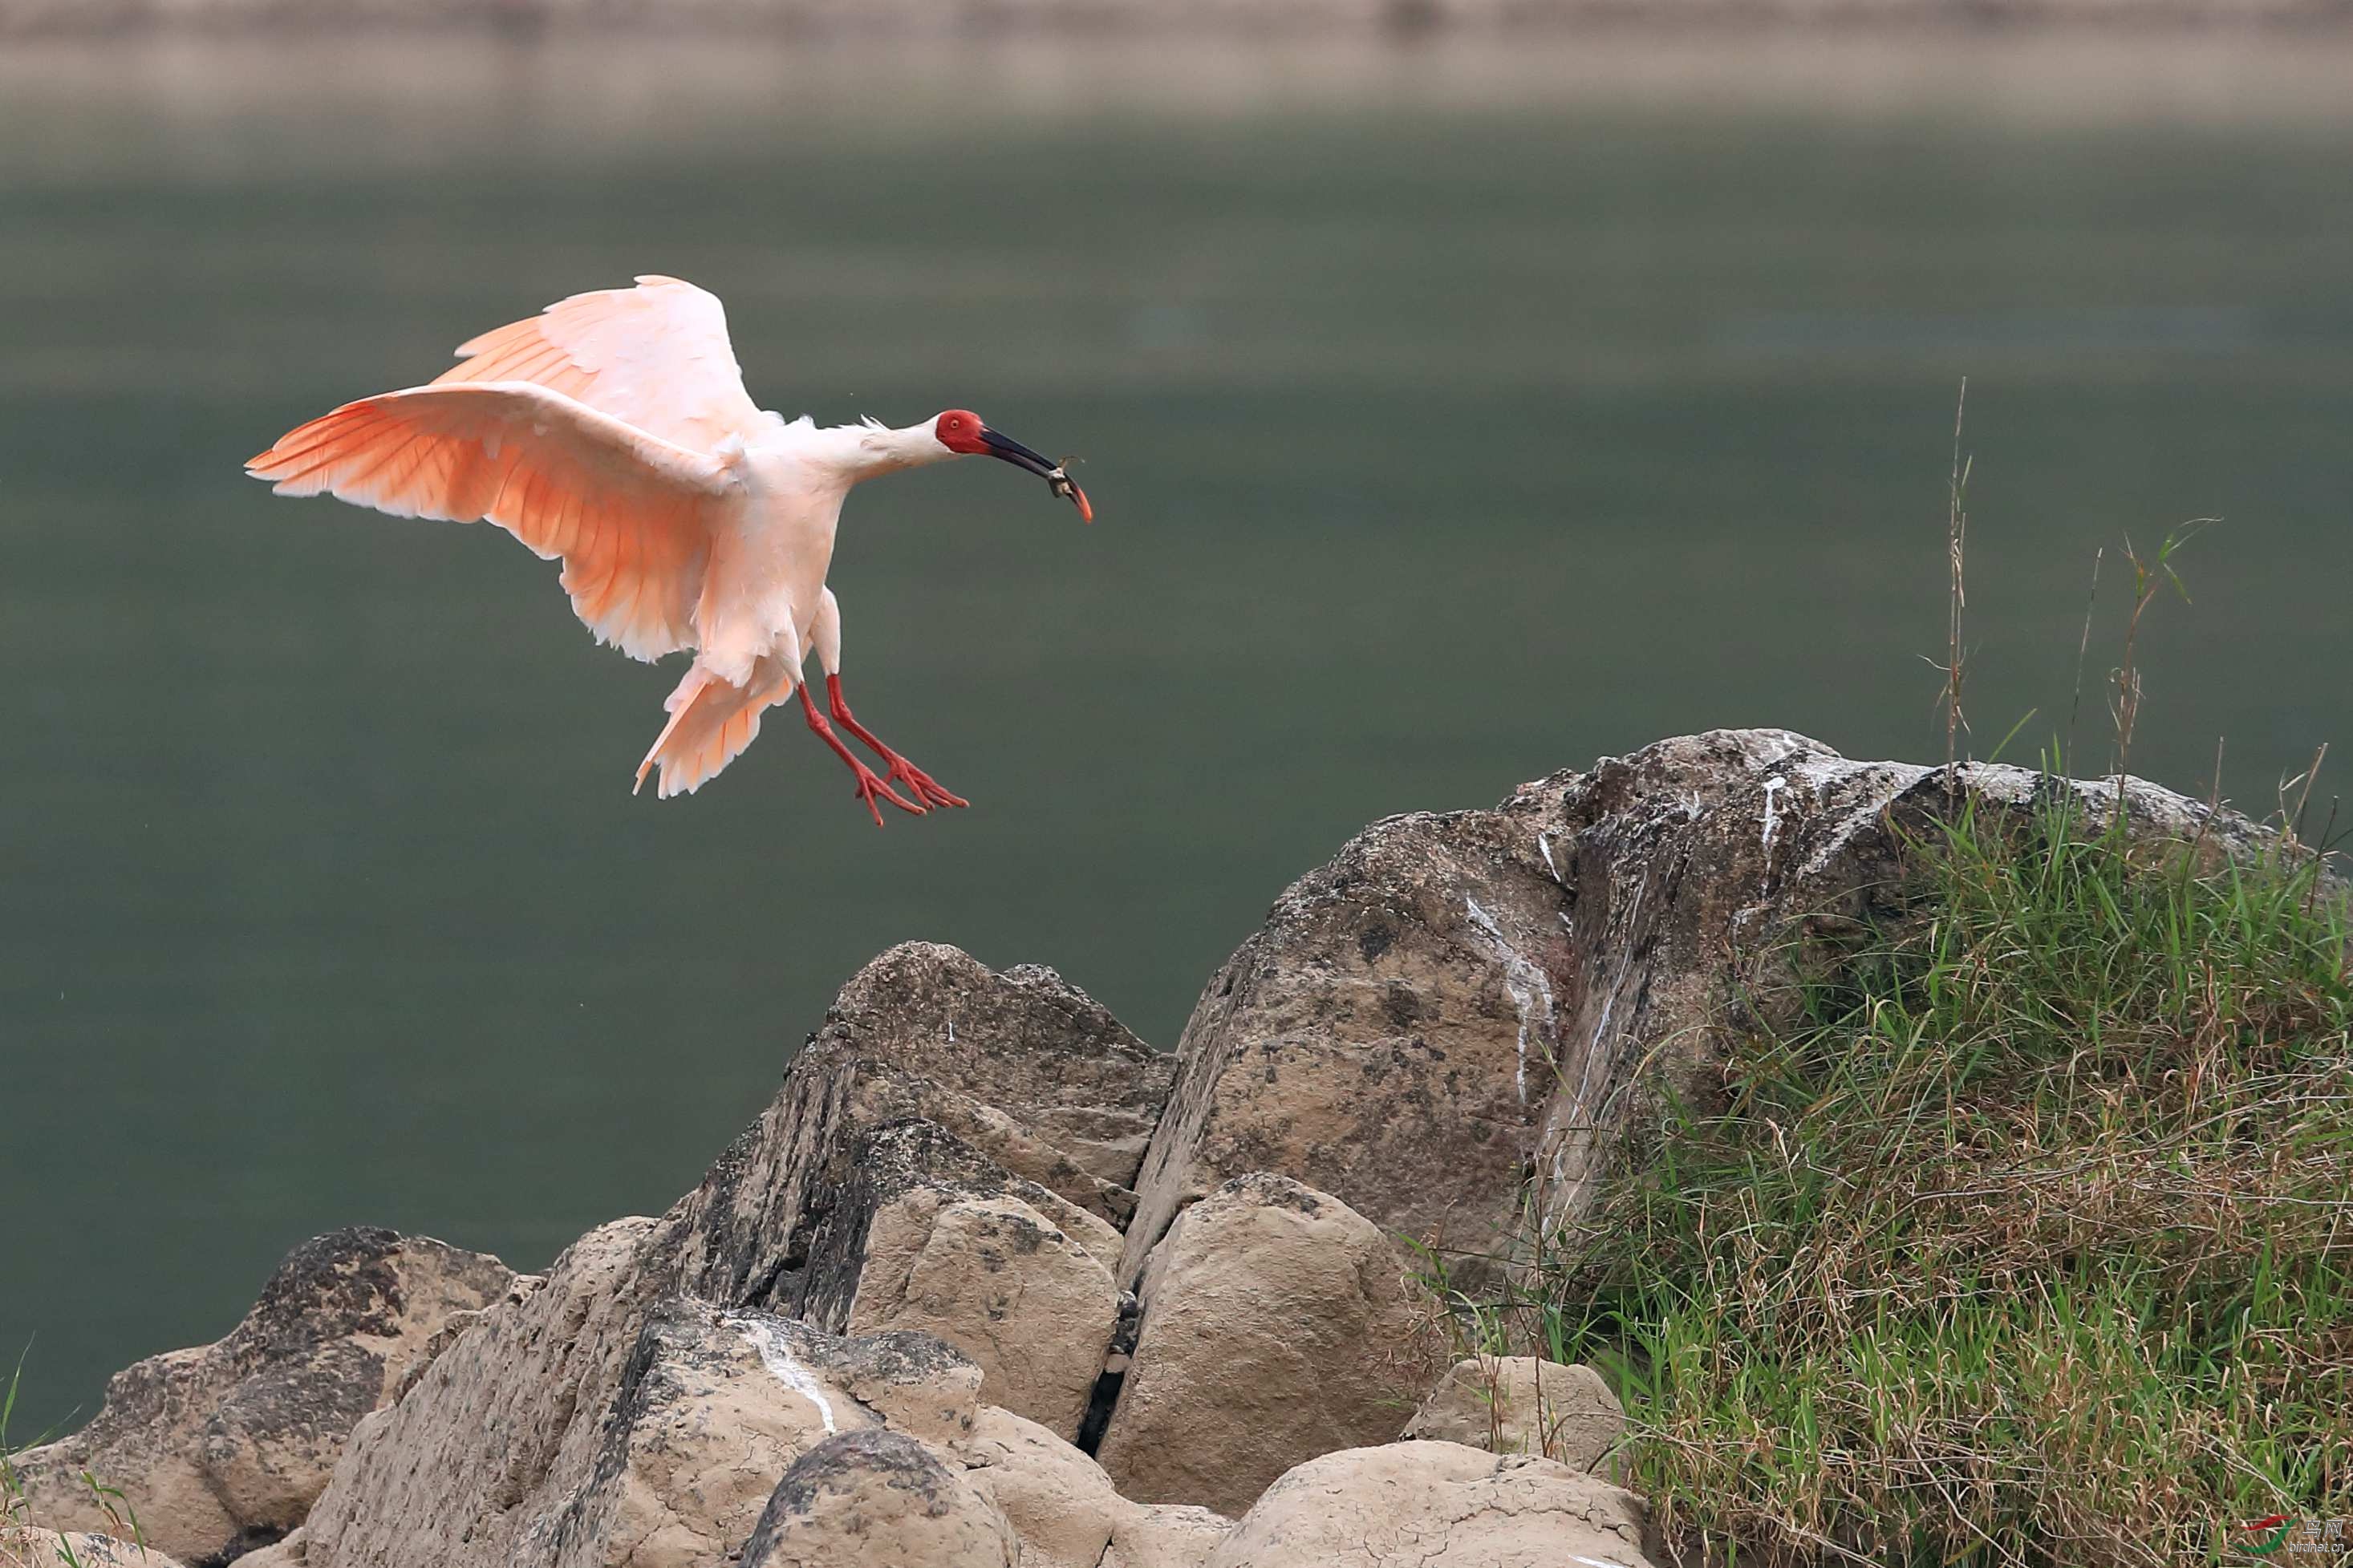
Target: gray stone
<point>878,1497</point>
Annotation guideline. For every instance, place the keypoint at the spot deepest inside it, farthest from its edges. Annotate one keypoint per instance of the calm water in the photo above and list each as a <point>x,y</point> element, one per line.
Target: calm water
<point>1454,415</point>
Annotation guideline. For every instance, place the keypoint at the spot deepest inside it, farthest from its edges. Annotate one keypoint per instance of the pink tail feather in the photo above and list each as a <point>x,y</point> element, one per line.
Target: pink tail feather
<point>711,723</point>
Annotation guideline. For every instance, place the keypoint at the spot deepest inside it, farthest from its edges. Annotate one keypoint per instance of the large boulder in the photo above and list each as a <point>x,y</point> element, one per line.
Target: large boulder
<point>1388,1035</point>
<point>996,1279</point>
<point>1437,1505</point>
<point>226,1445</point>
<point>1276,1326</point>
<point>509,1447</point>
<point>1523,1404</point>
<point>1459,1000</point>
<point>878,1497</point>
<point>1024,1068</point>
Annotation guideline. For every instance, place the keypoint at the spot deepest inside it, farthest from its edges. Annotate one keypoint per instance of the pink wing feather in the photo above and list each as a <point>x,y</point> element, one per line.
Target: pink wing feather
<point>628,511</point>
<point>656,356</point>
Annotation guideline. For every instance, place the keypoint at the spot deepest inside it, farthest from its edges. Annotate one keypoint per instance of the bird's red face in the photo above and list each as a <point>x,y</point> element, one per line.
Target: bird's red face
<point>960,430</point>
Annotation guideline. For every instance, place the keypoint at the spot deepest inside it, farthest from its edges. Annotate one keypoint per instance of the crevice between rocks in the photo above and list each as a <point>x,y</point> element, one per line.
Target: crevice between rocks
<point>251,1537</point>
<point>1113,1376</point>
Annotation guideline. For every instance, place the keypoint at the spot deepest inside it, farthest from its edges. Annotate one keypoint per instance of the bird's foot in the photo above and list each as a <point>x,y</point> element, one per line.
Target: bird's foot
<point>921,784</point>
<point>927,789</point>
<point>870,786</point>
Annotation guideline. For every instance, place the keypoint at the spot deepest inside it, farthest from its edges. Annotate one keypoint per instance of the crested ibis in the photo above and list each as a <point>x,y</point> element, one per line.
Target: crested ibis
<point>613,430</point>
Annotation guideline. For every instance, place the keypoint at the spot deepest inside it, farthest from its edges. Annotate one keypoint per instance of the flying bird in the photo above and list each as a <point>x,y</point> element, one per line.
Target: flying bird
<point>613,430</point>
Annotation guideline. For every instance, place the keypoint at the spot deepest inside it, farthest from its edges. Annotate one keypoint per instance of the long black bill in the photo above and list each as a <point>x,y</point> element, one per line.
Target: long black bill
<point>1014,452</point>
<point>1021,457</point>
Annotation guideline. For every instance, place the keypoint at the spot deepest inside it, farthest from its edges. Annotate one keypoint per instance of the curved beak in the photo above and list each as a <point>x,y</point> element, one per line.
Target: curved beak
<point>1021,457</point>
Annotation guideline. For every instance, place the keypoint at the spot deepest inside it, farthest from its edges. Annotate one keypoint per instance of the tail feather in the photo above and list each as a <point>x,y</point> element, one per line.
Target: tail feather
<point>711,723</point>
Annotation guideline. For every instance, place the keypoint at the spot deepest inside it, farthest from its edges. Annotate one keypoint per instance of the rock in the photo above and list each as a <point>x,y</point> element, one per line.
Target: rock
<point>24,1546</point>
<point>490,1458</point>
<point>1275,1327</point>
<point>224,1447</point>
<point>1169,1536</point>
<point>1064,1509</point>
<point>1523,1404</point>
<point>504,1450</point>
<point>878,1497</point>
<point>490,1443</point>
<point>1458,999</point>
<point>997,1279</point>
<point>1455,1003</point>
<point>1387,1036</point>
<point>1028,1071</point>
<point>714,1405</point>
<point>915,1384</point>
<point>888,1166</point>
<point>1437,1505</point>
<point>1684,862</point>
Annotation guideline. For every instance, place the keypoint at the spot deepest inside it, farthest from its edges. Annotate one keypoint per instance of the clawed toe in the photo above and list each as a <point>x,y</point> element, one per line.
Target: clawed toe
<point>927,789</point>
<point>869,786</point>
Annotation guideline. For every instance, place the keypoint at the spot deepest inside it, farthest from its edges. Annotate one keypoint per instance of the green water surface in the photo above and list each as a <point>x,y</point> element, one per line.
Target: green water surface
<point>1452,415</point>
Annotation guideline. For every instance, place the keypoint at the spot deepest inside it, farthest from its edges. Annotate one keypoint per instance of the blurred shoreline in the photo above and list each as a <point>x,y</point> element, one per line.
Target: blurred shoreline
<point>1316,19</point>
<point>199,99</point>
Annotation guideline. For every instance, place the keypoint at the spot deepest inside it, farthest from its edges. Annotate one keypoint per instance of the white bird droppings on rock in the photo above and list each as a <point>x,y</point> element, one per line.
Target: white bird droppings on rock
<point>1527,983</point>
<point>777,1357</point>
<point>1773,787</point>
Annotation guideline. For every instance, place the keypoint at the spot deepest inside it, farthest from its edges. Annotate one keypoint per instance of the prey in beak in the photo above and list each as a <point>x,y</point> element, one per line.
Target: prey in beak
<point>960,430</point>
<point>1056,477</point>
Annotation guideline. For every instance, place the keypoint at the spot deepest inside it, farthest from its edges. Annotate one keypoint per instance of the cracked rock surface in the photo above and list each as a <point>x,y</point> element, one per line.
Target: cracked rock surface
<point>1437,1505</point>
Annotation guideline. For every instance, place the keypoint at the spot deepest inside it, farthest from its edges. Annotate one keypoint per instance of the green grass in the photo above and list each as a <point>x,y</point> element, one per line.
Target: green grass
<point>2024,1236</point>
<point>121,1521</point>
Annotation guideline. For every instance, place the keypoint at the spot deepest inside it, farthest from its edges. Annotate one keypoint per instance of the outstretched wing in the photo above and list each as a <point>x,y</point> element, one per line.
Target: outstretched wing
<point>629,512</point>
<point>656,356</point>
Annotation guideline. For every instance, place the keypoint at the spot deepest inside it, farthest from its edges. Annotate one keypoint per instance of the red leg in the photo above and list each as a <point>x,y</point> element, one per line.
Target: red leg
<point>927,789</point>
<point>868,786</point>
